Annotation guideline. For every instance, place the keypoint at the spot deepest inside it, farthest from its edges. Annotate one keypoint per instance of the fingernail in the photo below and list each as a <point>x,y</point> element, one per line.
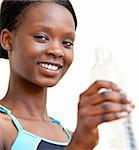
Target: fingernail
<point>129,108</point>
<point>122,114</point>
<point>129,99</point>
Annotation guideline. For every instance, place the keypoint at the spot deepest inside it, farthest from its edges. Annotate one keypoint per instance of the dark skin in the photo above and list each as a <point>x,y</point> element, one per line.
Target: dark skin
<point>95,108</point>
<point>50,40</point>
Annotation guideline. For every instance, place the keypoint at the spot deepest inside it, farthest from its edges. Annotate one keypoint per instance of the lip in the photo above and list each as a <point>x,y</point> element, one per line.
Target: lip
<point>48,72</point>
<point>60,65</point>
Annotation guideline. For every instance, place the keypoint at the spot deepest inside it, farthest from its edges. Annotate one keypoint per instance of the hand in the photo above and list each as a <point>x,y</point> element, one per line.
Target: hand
<point>96,107</point>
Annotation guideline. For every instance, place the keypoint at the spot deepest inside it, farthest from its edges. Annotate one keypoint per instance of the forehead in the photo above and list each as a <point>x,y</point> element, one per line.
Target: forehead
<point>50,14</point>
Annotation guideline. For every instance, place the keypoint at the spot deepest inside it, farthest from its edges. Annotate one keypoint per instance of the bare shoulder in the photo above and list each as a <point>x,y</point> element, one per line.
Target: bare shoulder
<point>4,122</point>
<point>6,130</point>
<point>3,127</point>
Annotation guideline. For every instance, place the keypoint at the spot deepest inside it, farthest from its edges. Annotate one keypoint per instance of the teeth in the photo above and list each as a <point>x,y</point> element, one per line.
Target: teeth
<point>54,67</point>
<point>45,65</point>
<point>48,66</point>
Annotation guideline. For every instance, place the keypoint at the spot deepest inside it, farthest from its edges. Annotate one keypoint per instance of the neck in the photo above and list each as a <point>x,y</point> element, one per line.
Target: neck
<point>26,99</point>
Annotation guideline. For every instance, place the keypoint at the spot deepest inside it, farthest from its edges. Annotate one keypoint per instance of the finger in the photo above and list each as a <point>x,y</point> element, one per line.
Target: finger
<point>115,97</point>
<point>97,120</point>
<point>112,116</point>
<point>105,108</point>
<point>96,86</point>
<point>104,96</point>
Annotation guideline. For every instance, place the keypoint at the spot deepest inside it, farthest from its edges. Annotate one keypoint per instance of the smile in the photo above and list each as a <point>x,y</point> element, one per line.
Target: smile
<point>49,66</point>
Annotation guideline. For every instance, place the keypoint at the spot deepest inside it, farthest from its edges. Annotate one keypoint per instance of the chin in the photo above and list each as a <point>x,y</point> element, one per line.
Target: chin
<point>47,84</point>
<point>51,84</point>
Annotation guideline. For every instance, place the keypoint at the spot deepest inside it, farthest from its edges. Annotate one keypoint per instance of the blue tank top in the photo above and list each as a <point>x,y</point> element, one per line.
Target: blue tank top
<point>28,141</point>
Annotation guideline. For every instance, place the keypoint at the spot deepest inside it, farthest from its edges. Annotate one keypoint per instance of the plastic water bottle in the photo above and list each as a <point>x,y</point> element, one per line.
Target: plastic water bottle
<point>115,135</point>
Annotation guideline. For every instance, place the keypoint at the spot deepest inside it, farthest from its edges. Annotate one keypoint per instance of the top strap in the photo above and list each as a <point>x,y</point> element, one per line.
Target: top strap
<point>19,126</point>
<point>13,118</point>
<point>58,123</point>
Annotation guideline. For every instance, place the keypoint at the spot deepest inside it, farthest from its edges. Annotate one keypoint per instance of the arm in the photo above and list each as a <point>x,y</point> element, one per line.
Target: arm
<point>1,144</point>
<point>97,107</point>
<point>1,136</point>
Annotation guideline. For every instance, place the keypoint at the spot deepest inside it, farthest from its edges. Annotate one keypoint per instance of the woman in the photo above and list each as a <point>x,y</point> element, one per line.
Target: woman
<point>38,37</point>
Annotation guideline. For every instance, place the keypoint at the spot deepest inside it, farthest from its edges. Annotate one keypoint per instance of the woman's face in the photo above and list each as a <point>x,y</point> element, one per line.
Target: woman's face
<point>42,45</point>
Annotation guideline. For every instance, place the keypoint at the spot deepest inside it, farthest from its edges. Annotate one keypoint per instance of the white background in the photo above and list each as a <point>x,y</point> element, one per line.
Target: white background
<point>111,24</point>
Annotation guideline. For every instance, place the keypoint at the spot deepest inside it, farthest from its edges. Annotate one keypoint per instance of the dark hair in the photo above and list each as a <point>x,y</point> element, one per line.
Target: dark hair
<point>12,9</point>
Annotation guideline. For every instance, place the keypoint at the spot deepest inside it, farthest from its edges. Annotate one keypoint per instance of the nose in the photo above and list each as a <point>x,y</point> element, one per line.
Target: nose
<point>55,50</point>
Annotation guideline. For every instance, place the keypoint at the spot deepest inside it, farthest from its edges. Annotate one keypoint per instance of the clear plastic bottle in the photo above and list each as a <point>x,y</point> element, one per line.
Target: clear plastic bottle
<point>115,135</point>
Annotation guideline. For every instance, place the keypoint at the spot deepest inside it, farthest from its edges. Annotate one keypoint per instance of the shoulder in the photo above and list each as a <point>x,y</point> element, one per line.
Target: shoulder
<point>4,121</point>
<point>6,130</point>
<point>3,127</point>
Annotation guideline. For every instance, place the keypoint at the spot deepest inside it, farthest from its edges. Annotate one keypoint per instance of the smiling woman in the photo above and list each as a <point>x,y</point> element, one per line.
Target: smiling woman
<point>45,37</point>
<point>40,50</point>
<point>39,47</point>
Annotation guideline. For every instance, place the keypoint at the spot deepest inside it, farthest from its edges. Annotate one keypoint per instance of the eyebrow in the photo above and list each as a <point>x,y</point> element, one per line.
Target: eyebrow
<point>70,34</point>
<point>48,28</point>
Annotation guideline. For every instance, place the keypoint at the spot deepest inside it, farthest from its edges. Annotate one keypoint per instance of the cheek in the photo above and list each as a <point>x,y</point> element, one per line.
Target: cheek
<point>27,48</point>
<point>69,57</point>
<point>23,56</point>
<point>27,54</point>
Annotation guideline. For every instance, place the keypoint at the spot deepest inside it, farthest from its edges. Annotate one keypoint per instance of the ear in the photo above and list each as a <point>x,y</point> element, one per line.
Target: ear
<point>5,39</point>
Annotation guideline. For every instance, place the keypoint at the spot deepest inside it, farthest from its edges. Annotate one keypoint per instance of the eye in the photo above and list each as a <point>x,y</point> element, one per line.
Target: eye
<point>41,38</point>
<point>67,44</point>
